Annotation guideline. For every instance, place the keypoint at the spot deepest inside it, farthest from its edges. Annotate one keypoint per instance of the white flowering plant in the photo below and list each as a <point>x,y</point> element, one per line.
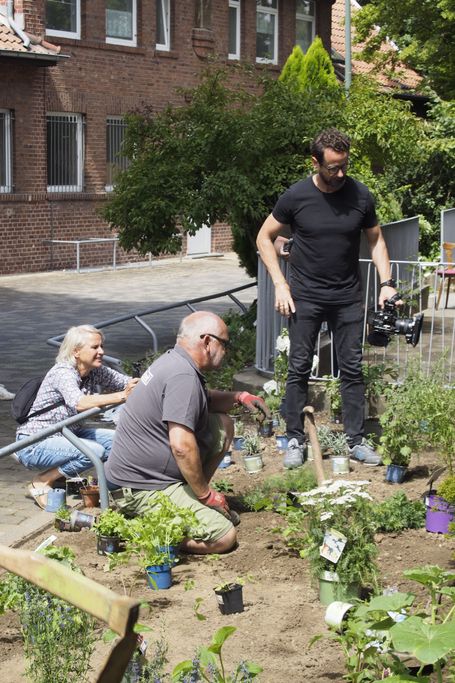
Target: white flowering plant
<point>343,507</point>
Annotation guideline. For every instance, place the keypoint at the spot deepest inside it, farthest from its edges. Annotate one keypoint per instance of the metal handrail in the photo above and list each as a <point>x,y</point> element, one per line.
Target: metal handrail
<point>188,303</point>
<point>62,427</point>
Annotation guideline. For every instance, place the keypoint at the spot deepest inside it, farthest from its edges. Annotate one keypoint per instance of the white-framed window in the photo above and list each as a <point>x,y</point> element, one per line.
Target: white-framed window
<point>63,18</point>
<point>234,29</point>
<point>65,152</point>
<point>6,136</point>
<point>121,22</point>
<point>305,16</point>
<point>267,31</point>
<point>163,15</point>
<point>115,159</point>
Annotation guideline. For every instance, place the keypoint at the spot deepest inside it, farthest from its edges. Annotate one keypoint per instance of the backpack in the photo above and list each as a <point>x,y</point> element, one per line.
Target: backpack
<point>24,399</point>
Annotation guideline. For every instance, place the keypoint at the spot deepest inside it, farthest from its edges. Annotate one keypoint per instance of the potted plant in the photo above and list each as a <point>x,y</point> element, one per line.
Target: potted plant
<point>441,428</point>
<point>111,529</point>
<point>333,393</point>
<point>62,519</point>
<point>159,531</point>
<point>90,494</point>
<point>252,457</point>
<point>377,378</point>
<point>334,529</point>
<point>338,448</point>
<point>403,423</point>
<point>229,596</point>
<point>280,435</point>
<point>239,432</point>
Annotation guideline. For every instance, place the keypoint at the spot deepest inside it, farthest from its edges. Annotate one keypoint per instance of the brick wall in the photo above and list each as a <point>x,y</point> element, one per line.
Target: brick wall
<point>98,80</point>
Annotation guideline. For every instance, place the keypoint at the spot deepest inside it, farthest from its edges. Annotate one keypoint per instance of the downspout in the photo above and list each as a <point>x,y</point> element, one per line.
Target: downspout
<point>10,9</point>
<point>347,48</point>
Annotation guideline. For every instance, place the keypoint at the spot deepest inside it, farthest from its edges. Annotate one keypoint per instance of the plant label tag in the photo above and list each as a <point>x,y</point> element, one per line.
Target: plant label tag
<point>333,545</point>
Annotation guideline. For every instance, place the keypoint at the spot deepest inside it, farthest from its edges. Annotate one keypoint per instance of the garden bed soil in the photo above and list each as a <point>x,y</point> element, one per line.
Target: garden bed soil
<point>282,610</point>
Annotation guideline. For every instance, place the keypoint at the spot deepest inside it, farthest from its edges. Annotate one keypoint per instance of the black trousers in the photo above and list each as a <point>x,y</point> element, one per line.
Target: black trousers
<point>346,324</point>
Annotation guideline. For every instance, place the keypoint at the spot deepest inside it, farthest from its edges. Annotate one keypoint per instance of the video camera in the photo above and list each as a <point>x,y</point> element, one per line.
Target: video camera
<point>385,323</point>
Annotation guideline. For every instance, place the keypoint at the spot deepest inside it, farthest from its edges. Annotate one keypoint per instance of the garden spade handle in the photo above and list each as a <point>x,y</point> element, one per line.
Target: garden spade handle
<point>308,411</point>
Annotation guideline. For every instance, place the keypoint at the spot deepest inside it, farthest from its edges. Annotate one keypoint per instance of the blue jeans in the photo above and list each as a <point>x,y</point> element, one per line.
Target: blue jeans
<point>57,451</point>
<point>346,325</point>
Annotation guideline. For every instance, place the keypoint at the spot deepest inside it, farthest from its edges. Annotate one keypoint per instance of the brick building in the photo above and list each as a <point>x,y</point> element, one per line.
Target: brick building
<point>71,69</point>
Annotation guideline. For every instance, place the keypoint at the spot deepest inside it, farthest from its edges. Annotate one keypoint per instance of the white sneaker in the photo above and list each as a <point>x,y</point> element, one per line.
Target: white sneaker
<point>294,455</point>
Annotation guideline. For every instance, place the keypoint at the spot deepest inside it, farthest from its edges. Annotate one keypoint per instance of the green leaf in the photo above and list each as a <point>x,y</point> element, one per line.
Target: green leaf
<point>387,603</point>
<point>181,668</point>
<point>220,637</point>
<point>427,642</point>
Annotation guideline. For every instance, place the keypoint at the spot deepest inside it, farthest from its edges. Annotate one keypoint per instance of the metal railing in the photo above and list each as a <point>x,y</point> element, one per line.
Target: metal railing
<point>63,428</point>
<point>138,317</point>
<point>419,283</point>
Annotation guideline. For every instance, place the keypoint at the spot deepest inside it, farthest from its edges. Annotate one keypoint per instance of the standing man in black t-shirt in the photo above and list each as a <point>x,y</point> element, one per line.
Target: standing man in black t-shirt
<point>325,214</point>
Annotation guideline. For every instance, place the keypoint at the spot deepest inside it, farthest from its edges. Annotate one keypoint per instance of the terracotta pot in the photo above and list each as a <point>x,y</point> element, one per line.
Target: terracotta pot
<point>90,496</point>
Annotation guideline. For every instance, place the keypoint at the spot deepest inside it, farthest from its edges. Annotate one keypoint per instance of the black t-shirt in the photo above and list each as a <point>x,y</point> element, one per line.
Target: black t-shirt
<point>326,227</point>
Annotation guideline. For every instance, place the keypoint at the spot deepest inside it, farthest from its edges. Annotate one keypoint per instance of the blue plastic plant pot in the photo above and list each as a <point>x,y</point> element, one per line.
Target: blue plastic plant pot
<point>226,461</point>
<point>172,551</point>
<point>56,498</point>
<point>281,442</point>
<point>238,443</point>
<point>395,473</point>
<point>159,577</point>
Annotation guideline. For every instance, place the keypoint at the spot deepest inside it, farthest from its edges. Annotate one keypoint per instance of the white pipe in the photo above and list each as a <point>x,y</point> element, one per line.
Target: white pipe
<point>10,9</point>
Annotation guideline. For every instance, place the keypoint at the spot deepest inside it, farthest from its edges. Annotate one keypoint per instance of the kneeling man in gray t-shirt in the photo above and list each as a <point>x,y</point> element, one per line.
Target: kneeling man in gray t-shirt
<point>173,432</point>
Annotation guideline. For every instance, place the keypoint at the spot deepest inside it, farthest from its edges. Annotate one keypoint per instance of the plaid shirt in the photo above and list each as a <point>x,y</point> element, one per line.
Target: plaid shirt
<point>63,381</point>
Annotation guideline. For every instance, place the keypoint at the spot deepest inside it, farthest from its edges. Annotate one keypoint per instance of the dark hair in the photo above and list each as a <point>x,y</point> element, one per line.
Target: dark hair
<point>331,137</point>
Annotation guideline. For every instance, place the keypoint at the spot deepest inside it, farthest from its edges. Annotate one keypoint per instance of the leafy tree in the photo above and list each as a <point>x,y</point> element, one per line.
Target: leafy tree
<point>422,29</point>
<point>224,156</point>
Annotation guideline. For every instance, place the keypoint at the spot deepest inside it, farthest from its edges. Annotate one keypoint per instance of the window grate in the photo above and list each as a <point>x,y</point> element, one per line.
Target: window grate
<point>65,152</point>
<point>116,161</point>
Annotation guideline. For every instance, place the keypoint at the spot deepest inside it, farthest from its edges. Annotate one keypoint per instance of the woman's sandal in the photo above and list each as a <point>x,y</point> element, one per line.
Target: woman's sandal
<point>38,494</point>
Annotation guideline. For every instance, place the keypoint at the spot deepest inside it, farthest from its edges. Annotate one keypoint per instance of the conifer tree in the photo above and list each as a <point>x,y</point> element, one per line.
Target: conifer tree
<point>292,70</point>
<point>317,68</point>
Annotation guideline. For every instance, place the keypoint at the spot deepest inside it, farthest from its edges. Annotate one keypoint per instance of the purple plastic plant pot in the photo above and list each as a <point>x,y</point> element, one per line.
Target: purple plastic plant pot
<point>439,514</point>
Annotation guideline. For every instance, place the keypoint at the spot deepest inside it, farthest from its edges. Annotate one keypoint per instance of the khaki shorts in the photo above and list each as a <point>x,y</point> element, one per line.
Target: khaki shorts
<point>133,502</point>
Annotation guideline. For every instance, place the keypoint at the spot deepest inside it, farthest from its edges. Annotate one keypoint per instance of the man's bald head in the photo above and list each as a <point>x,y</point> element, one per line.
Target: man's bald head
<point>197,324</point>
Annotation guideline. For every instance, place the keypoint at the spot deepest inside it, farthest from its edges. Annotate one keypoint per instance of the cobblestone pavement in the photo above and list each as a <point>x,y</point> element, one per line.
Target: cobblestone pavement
<point>36,307</point>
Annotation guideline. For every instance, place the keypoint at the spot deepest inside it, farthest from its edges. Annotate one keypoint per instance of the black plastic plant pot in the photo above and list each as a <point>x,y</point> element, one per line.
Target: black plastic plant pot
<point>74,485</point>
<point>266,428</point>
<point>63,525</point>
<point>230,600</point>
<point>105,545</point>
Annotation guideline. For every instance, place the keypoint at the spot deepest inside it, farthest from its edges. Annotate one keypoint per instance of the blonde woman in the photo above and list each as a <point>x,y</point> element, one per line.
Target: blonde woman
<point>70,387</point>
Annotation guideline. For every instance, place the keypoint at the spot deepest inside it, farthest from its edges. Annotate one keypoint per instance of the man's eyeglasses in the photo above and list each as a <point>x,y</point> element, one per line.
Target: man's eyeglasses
<point>333,170</point>
<point>224,342</point>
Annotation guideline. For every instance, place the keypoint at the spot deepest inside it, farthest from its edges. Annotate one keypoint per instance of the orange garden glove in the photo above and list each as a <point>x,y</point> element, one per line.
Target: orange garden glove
<point>216,500</point>
<point>252,403</point>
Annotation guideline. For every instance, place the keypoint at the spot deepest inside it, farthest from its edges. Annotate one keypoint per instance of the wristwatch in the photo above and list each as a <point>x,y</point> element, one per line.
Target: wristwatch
<point>388,283</point>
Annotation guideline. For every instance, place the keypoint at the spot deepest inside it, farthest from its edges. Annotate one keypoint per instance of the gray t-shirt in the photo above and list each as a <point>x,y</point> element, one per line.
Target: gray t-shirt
<point>172,389</point>
<point>63,382</point>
